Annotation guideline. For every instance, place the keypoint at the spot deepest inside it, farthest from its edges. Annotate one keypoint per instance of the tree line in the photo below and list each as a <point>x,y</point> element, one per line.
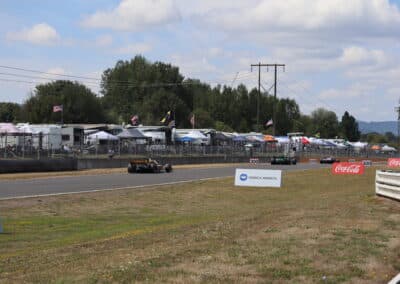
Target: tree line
<point>149,90</point>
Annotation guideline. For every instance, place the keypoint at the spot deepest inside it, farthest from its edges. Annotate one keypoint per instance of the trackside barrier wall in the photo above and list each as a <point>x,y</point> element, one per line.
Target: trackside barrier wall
<point>43,165</point>
<point>120,163</point>
<point>71,164</point>
<point>387,183</point>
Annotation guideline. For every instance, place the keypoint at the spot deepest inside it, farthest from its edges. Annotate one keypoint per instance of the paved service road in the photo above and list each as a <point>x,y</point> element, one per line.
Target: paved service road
<point>62,185</point>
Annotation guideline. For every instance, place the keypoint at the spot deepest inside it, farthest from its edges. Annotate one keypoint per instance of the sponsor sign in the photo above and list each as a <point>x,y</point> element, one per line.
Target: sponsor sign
<point>346,168</point>
<point>260,178</point>
<point>394,162</point>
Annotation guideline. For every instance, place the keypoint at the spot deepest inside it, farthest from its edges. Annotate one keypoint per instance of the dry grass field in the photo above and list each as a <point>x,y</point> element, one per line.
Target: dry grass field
<point>317,228</point>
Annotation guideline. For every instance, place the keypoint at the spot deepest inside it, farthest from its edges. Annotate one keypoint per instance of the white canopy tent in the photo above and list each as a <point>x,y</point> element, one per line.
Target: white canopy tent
<point>94,138</point>
<point>197,136</point>
<point>316,141</point>
<point>359,145</point>
<point>51,135</point>
<point>387,148</point>
<point>282,139</point>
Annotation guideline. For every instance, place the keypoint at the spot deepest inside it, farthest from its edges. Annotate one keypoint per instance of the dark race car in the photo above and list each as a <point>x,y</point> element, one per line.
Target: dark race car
<point>329,160</point>
<point>147,165</point>
<point>283,160</point>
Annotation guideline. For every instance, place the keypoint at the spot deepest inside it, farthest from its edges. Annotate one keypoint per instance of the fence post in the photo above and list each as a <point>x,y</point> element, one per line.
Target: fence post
<point>5,147</point>
<point>23,144</point>
<point>97,141</point>
<point>119,148</point>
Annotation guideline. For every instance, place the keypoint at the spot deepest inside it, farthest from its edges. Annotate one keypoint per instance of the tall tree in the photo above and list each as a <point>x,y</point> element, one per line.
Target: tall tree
<point>130,85</point>
<point>325,123</point>
<point>80,104</point>
<point>287,113</point>
<point>9,112</point>
<point>349,127</point>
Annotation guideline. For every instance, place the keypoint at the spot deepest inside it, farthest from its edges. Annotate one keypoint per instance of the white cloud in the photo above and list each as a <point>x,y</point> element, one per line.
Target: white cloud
<point>204,7</point>
<point>215,51</point>
<point>348,17</point>
<point>54,73</point>
<point>134,49</point>
<point>104,40</point>
<point>42,34</point>
<point>135,15</point>
<point>356,90</point>
<point>192,66</point>
<point>355,55</point>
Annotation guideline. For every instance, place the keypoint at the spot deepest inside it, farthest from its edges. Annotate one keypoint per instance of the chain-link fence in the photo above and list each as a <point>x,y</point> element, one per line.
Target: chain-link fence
<point>39,146</point>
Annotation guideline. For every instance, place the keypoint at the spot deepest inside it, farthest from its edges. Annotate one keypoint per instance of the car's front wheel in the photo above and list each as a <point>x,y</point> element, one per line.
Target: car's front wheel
<point>168,168</point>
<point>131,168</point>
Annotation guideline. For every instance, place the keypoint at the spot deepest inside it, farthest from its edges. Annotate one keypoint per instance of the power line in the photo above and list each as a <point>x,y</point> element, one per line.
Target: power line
<point>48,73</point>
<point>128,83</point>
<point>291,91</point>
<point>34,77</point>
<point>265,90</point>
<point>114,82</point>
<point>306,91</point>
<point>17,81</point>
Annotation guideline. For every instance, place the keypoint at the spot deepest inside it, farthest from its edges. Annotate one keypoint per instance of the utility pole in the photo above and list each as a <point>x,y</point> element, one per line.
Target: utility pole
<point>259,92</point>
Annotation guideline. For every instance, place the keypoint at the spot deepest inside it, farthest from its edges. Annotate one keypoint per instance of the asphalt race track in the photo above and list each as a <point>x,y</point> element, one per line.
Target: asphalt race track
<point>75,184</point>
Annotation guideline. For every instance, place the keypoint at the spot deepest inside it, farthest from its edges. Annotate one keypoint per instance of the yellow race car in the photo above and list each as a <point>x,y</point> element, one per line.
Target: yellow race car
<point>147,165</point>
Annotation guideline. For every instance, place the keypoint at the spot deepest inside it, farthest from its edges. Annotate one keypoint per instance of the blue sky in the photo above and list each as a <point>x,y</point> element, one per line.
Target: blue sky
<point>339,54</point>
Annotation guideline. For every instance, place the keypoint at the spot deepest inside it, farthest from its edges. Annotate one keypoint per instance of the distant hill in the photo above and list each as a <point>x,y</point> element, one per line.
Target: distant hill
<point>378,126</point>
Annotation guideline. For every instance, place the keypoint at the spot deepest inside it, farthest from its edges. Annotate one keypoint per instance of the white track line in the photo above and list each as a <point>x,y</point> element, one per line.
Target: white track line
<point>395,280</point>
<point>111,189</point>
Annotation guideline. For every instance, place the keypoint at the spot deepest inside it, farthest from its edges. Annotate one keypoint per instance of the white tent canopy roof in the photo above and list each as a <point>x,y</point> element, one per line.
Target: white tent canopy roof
<point>195,134</point>
<point>9,128</point>
<point>359,144</point>
<point>282,139</point>
<point>102,135</point>
<point>387,148</point>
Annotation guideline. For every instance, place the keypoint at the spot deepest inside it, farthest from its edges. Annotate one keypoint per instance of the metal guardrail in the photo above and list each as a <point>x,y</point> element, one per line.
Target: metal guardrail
<point>387,183</point>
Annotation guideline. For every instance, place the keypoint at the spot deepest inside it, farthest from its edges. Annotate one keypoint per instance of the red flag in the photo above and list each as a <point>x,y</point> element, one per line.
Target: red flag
<point>57,108</point>
<point>135,119</point>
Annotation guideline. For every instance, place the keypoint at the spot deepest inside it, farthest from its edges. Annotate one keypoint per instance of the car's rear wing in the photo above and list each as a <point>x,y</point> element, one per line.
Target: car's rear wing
<point>140,161</point>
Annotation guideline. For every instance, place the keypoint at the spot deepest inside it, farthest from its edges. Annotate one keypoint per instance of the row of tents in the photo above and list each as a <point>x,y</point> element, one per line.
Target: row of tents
<point>55,136</point>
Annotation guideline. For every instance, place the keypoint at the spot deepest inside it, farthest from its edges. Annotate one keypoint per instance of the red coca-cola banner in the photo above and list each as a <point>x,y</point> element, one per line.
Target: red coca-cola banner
<point>346,168</point>
<point>393,162</point>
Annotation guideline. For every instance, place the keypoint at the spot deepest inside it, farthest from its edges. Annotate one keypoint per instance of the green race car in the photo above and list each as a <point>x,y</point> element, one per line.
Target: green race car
<point>283,160</point>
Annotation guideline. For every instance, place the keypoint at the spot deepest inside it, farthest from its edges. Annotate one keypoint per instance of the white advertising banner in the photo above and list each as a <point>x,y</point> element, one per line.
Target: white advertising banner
<point>260,178</point>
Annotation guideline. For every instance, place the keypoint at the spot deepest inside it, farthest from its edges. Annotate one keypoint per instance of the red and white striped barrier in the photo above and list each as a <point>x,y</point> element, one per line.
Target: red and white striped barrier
<point>387,183</point>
